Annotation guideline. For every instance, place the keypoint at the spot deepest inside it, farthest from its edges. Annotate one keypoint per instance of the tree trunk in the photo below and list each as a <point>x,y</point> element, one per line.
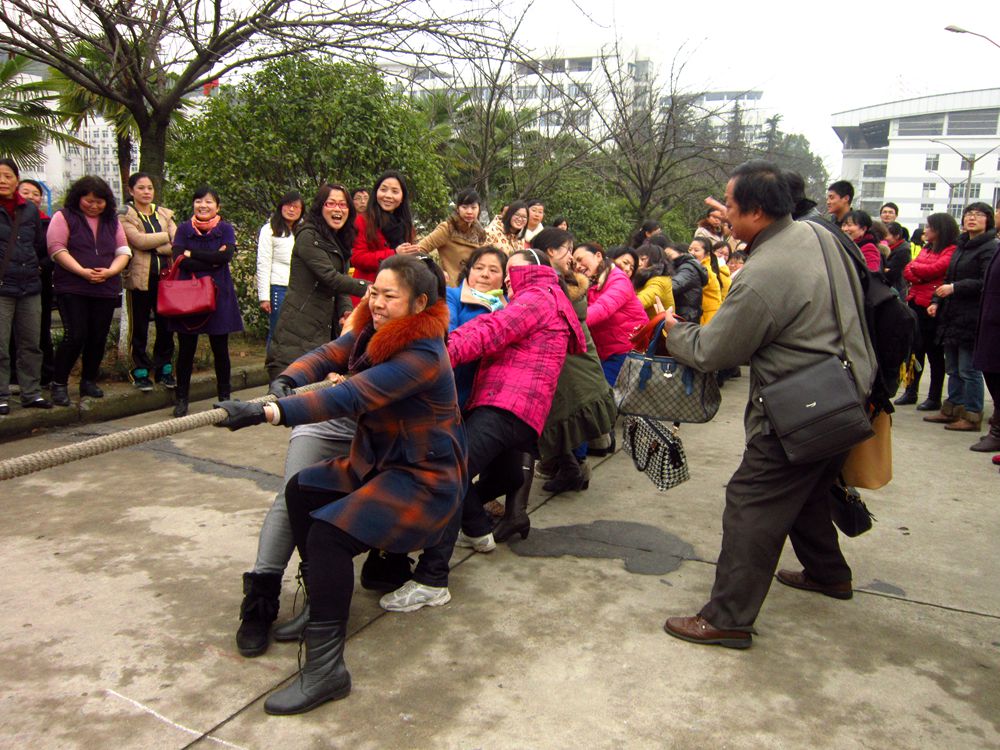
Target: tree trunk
<point>153,149</point>
<point>124,161</point>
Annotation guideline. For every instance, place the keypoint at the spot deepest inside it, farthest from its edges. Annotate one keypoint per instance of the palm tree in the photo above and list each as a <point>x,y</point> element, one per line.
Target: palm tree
<point>27,118</point>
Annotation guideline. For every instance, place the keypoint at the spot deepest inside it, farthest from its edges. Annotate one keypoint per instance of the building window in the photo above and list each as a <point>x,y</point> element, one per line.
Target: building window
<point>872,189</point>
<point>973,122</point>
<point>931,162</point>
<point>525,92</point>
<point>959,191</point>
<point>580,64</point>
<point>874,170</point>
<point>926,208</point>
<point>929,188</point>
<point>966,166</point>
<point>956,209</point>
<point>921,125</point>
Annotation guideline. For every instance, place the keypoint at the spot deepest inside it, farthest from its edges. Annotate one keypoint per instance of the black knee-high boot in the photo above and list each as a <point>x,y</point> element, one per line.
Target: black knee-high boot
<point>292,630</point>
<point>515,512</point>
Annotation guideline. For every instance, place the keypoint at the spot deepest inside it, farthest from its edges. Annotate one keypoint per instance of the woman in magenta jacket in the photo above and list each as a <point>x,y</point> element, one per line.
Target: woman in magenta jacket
<point>613,309</point>
<point>521,350</point>
<point>925,274</point>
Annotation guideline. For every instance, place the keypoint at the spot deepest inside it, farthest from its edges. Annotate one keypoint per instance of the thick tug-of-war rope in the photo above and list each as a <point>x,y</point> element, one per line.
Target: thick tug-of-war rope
<point>32,462</point>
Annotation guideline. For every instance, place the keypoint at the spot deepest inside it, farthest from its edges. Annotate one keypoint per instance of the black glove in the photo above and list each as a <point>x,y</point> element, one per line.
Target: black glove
<point>240,414</point>
<point>282,386</point>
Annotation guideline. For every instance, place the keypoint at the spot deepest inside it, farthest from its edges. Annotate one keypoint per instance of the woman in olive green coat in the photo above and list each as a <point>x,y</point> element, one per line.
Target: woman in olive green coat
<point>319,288</point>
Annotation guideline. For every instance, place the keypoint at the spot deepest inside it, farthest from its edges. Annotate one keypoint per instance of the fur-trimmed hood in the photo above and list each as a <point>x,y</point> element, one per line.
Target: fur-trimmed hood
<point>397,334</point>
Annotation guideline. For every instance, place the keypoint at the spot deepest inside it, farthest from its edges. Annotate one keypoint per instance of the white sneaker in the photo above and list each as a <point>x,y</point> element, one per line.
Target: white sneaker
<point>478,543</point>
<point>411,596</point>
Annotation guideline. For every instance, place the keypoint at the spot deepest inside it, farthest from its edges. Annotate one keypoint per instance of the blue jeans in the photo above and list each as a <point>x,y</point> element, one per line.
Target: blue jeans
<point>965,382</point>
<point>612,366</point>
<point>277,297</point>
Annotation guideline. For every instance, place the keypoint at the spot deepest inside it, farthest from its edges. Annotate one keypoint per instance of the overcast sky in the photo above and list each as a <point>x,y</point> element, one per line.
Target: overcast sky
<point>809,59</point>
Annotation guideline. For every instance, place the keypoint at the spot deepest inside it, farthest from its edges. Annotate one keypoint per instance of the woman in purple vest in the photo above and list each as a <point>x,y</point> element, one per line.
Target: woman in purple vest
<point>204,246</point>
<point>89,249</point>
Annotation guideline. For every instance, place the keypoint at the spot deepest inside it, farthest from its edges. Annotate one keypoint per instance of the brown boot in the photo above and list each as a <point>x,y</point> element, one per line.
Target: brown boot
<point>990,442</point>
<point>969,421</point>
<point>947,415</point>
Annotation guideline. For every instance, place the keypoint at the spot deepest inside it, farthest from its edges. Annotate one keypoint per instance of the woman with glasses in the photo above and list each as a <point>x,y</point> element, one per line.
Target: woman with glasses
<point>505,230</point>
<point>319,289</point>
<point>274,255</point>
<point>956,307</point>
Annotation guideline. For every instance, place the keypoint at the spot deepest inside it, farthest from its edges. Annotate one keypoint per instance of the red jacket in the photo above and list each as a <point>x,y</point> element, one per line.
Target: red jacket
<point>613,313</point>
<point>365,257</point>
<point>926,273</point>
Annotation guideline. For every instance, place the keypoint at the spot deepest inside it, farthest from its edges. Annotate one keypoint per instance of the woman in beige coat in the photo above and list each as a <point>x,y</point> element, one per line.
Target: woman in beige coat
<point>453,240</point>
<point>150,232</point>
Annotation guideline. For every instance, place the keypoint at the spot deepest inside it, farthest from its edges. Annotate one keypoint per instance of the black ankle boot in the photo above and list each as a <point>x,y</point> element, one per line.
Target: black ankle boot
<point>324,676</point>
<point>225,391</point>
<point>292,630</point>
<point>180,407</point>
<point>60,395</point>
<point>385,571</point>
<point>569,477</point>
<point>257,612</point>
<point>89,388</point>
<point>515,510</point>
<point>909,397</point>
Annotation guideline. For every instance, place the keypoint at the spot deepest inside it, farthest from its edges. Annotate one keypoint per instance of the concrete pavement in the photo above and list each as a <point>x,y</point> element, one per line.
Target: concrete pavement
<point>121,587</point>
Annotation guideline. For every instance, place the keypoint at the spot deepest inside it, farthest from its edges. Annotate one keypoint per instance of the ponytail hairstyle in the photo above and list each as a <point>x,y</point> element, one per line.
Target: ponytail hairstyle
<point>376,218</point>
<point>712,259</point>
<point>537,257</point>
<point>641,235</point>
<point>552,238</point>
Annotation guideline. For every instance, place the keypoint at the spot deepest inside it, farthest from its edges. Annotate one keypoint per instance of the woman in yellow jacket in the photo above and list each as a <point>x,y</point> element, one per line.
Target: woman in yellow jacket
<point>651,279</point>
<point>719,279</point>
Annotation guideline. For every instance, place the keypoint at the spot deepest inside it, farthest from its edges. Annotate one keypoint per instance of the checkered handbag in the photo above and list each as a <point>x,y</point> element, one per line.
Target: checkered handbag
<point>656,451</point>
<point>660,387</point>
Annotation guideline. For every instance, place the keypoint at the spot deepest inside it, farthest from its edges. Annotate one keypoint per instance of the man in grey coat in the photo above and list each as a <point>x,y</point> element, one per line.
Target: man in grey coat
<point>779,315</point>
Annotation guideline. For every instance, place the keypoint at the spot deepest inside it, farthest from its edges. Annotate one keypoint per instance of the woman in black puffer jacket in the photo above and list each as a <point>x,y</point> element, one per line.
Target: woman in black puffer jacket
<point>688,279</point>
<point>956,307</point>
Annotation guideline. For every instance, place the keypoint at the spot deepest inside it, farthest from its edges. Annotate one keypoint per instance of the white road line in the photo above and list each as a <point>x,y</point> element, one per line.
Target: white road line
<point>174,724</point>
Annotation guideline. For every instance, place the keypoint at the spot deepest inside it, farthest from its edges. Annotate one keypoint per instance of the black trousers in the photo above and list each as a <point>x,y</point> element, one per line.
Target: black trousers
<point>934,352</point>
<point>767,500</point>
<point>187,344</point>
<point>328,550</point>
<point>141,305</point>
<point>492,432</point>
<point>86,323</point>
<point>993,386</point>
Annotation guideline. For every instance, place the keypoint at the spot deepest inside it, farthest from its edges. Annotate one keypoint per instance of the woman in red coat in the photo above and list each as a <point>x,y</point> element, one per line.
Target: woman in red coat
<point>385,228</point>
<point>925,273</point>
<point>406,473</point>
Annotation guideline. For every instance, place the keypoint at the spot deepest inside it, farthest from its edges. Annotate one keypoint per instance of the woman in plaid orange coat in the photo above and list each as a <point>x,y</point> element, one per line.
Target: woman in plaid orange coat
<point>406,473</point>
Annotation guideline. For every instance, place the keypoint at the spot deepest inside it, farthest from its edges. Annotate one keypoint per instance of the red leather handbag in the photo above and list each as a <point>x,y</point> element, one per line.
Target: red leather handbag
<point>181,297</point>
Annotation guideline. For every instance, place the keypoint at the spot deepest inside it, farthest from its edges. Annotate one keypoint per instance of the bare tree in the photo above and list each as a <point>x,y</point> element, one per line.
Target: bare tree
<point>159,51</point>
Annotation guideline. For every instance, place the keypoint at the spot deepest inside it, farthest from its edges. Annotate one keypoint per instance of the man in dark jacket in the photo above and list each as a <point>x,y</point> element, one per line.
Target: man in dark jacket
<point>782,323</point>
<point>20,290</point>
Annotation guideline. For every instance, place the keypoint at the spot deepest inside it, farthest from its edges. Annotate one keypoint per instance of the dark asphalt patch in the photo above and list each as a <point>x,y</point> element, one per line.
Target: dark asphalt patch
<point>645,549</point>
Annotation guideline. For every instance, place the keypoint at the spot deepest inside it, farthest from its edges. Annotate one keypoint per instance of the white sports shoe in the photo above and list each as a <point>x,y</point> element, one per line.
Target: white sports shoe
<point>411,596</point>
<point>478,543</point>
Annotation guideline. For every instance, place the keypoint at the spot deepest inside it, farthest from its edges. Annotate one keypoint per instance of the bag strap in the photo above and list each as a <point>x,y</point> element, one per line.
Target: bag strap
<point>657,332</point>
<point>175,269</point>
<point>833,297</point>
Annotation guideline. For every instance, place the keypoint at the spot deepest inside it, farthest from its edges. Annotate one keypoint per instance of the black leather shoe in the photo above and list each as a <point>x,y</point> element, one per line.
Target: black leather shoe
<point>60,395</point>
<point>89,388</point>
<point>181,407</point>
<point>37,403</point>
<point>929,405</point>
<point>4,408</point>
<point>799,580</point>
<point>909,397</point>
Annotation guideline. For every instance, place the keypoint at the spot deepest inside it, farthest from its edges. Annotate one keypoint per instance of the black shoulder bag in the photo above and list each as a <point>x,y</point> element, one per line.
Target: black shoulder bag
<point>816,412</point>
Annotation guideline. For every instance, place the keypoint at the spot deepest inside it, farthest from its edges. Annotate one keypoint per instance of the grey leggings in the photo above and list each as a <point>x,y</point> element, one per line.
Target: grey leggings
<point>274,548</point>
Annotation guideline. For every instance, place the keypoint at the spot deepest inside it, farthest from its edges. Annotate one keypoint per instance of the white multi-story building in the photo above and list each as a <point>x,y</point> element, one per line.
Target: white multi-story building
<point>561,88</point>
<point>919,153</point>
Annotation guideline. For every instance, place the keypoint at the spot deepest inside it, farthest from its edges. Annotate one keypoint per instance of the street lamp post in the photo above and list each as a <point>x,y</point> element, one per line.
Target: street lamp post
<point>959,30</point>
<point>969,159</point>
